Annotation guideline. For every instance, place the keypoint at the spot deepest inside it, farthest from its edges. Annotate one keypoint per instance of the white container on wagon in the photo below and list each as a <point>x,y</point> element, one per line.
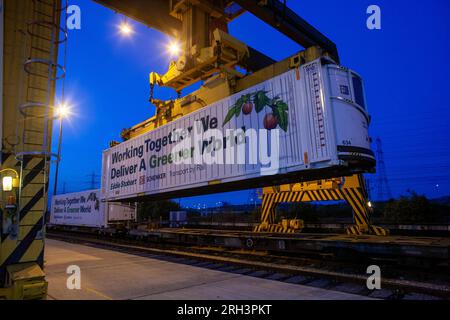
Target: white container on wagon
<point>315,116</point>
<point>177,216</point>
<point>86,209</point>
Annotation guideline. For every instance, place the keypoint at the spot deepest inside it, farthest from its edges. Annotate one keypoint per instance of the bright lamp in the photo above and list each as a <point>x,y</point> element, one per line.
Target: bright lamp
<point>7,183</point>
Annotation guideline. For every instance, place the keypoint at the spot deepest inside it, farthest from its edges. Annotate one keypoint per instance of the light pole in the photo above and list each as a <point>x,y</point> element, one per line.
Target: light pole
<point>62,111</point>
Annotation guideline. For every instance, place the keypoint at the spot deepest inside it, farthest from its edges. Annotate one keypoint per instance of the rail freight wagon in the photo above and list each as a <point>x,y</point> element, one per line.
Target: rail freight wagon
<point>308,123</point>
<point>86,209</point>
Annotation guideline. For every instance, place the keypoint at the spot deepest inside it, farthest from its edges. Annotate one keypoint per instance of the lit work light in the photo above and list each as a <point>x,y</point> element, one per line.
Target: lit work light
<point>62,111</point>
<point>125,28</point>
<point>174,48</point>
<point>9,182</point>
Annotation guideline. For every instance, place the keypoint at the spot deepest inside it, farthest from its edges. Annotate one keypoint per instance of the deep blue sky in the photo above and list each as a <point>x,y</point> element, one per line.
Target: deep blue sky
<point>404,65</point>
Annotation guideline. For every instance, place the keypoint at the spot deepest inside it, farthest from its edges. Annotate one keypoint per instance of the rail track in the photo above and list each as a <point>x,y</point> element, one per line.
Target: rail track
<point>323,227</point>
<point>317,270</point>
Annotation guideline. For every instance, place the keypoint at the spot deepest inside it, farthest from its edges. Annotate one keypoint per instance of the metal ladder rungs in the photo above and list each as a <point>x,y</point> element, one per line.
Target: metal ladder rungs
<point>46,3</point>
<point>40,75</point>
<point>42,38</point>
<point>40,67</point>
<point>40,49</point>
<point>33,130</point>
<point>29,144</point>
<point>32,143</point>
<point>37,88</point>
<point>43,13</point>
<point>33,101</point>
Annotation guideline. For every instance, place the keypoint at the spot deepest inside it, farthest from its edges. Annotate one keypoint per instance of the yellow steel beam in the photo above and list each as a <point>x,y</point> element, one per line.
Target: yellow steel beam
<point>155,14</point>
<point>28,37</point>
<point>350,189</point>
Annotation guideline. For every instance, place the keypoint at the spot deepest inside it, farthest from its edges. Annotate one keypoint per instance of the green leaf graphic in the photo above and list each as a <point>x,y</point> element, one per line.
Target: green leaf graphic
<point>282,105</point>
<point>238,106</point>
<point>260,100</point>
<point>283,120</point>
<point>279,110</point>
<point>229,115</point>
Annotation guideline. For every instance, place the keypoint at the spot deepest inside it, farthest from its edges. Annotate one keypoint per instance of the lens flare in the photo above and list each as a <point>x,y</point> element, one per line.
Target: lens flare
<point>125,29</point>
<point>174,48</point>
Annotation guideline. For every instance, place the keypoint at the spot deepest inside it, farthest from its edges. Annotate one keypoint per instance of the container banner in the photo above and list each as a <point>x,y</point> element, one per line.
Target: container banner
<point>262,131</point>
<point>81,209</point>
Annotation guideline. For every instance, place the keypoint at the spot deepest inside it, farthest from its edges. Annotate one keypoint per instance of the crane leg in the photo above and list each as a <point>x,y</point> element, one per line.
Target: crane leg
<point>350,189</point>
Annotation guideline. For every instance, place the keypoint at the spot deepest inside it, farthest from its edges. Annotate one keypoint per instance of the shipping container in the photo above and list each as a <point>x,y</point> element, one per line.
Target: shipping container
<point>86,209</point>
<point>177,218</point>
<point>308,123</point>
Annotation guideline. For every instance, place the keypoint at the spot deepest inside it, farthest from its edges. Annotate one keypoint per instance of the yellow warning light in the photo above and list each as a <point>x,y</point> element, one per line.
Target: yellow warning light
<point>11,200</point>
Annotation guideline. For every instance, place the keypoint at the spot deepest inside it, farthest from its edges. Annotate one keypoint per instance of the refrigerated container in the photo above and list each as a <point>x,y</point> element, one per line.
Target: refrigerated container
<point>315,116</point>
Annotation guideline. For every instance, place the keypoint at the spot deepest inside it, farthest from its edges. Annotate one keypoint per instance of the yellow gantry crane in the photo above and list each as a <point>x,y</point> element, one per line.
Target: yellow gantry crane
<point>350,189</point>
<point>29,38</point>
<point>211,54</point>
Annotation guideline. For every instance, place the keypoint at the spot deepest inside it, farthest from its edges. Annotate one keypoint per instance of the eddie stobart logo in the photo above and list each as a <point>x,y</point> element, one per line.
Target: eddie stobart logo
<point>260,101</point>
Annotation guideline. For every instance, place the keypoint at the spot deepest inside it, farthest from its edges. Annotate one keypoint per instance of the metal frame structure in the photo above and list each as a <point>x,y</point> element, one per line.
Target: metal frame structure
<point>213,61</point>
<point>278,15</point>
<point>209,54</point>
<point>23,227</point>
<point>349,189</point>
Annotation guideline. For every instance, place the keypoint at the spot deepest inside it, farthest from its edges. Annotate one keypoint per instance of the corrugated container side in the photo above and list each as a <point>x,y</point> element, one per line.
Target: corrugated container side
<point>315,125</point>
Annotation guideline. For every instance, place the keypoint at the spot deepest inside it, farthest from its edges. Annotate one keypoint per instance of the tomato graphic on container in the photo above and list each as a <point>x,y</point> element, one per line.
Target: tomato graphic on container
<point>259,101</point>
<point>247,108</point>
<point>270,121</point>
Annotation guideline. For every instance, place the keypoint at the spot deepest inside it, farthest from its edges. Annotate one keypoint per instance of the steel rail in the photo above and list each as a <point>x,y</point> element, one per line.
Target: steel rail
<point>399,287</point>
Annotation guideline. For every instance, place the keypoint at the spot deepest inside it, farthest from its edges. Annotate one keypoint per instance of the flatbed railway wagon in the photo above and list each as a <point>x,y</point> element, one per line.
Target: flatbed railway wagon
<point>308,123</point>
<point>87,210</point>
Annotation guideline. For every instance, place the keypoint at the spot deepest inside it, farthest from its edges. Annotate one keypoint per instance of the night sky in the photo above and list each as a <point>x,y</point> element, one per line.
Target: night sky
<point>404,65</point>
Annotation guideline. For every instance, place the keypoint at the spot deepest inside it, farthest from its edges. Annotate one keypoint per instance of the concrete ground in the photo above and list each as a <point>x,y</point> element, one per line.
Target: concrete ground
<point>107,274</point>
